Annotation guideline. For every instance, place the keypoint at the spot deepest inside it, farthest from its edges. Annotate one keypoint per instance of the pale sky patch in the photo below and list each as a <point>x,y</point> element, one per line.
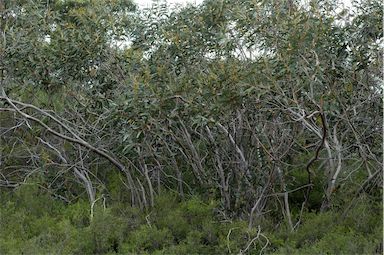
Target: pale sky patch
<point>148,3</point>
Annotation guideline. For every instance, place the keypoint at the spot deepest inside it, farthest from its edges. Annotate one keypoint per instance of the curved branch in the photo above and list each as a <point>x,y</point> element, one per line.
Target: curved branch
<point>316,156</point>
<point>76,140</point>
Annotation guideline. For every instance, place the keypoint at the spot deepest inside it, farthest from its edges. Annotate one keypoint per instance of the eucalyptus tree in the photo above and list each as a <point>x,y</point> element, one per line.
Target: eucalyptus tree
<point>257,95</point>
<point>55,64</point>
<point>267,106</point>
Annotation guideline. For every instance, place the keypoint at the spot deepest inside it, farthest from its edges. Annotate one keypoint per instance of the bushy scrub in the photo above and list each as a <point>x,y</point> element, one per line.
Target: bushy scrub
<point>148,239</point>
<point>359,232</point>
<point>176,226</point>
<point>78,213</point>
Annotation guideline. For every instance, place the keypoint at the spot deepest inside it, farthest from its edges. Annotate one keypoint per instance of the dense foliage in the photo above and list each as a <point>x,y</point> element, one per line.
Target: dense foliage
<point>32,222</point>
<point>228,127</point>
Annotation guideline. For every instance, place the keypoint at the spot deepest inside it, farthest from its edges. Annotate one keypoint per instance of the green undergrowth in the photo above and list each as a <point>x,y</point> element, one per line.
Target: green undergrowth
<point>35,223</point>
